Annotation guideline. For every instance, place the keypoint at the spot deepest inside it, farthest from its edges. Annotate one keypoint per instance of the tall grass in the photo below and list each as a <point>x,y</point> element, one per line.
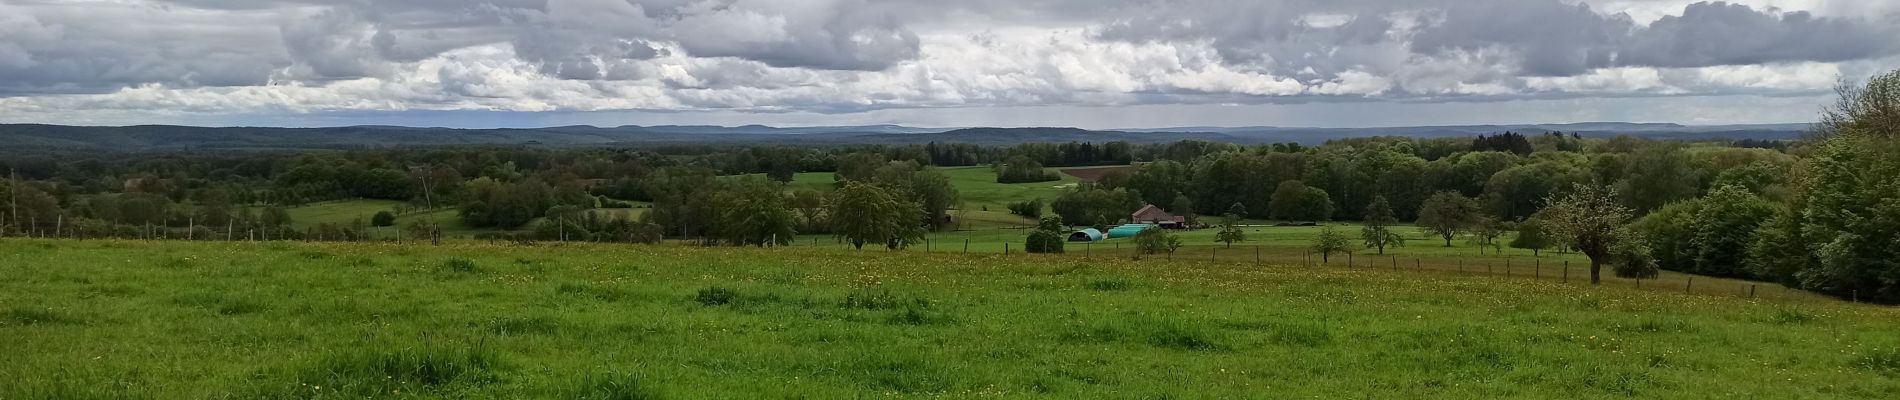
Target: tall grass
<point>123,319</point>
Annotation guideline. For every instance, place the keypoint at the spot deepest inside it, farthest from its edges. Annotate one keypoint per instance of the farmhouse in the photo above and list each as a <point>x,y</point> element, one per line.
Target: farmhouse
<point>1149,214</point>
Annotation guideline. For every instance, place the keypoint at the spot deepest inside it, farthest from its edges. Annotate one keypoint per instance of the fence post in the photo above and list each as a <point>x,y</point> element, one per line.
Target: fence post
<point>1418,264</point>
<point>1507,267</point>
<point>1751,290</point>
<point>1687,286</point>
<point>1170,255</point>
<point>1005,248</point>
<point>1537,269</point>
<point>966,245</point>
<point>1566,271</point>
<point>1395,263</point>
<point>1212,255</point>
<point>1349,259</point>
<point>1256,255</point>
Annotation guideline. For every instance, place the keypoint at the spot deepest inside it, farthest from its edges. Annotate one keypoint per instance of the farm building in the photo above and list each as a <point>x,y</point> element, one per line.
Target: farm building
<point>1128,230</point>
<point>1149,214</point>
<point>1086,235</point>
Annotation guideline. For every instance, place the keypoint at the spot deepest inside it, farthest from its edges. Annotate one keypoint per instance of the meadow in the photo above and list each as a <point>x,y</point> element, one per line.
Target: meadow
<point>128,319</point>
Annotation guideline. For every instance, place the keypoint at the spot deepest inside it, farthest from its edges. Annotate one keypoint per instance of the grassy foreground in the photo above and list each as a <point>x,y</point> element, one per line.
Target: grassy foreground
<point>121,319</point>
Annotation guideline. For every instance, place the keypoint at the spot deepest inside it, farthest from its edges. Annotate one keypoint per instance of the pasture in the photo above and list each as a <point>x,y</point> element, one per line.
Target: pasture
<point>127,319</point>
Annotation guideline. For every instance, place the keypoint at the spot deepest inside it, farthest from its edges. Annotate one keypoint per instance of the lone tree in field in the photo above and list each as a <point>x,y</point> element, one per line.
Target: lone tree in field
<point>1048,237</point>
<point>1155,240</point>
<point>382,219</point>
<point>1378,232</point>
<point>1230,231</point>
<point>1591,221</point>
<point>1446,214</point>
<point>1485,231</point>
<point>1328,242</point>
<point>1531,235</point>
<point>865,213</point>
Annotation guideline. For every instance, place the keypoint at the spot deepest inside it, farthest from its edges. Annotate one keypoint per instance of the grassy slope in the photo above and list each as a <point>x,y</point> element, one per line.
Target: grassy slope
<point>195,320</point>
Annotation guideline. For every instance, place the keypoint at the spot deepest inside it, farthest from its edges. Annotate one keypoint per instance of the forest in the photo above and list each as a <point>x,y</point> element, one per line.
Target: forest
<point>1821,213</point>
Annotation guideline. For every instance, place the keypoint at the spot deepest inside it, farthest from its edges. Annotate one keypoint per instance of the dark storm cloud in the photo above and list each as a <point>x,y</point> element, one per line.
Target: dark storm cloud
<point>1548,37</point>
<point>1728,34</point>
<point>1555,39</point>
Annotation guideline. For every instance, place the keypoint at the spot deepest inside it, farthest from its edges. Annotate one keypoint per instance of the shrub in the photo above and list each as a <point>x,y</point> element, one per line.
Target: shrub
<point>382,219</point>
<point>1155,240</point>
<point>1029,209</point>
<point>1044,242</point>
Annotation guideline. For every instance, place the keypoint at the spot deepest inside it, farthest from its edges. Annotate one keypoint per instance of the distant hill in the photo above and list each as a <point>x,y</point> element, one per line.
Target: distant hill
<point>167,137</point>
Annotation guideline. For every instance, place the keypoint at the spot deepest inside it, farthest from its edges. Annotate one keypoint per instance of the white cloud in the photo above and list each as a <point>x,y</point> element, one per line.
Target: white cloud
<point>844,56</point>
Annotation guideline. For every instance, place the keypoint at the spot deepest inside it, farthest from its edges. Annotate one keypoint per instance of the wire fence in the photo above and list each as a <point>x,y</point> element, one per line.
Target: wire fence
<point>1546,269</point>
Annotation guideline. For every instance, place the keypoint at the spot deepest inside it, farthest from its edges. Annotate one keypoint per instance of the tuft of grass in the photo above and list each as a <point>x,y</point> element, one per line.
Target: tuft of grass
<point>1302,334</point>
<point>1182,337</point>
<point>175,263</point>
<point>596,292</point>
<point>917,317</point>
<point>34,316</point>
<point>377,371</point>
<point>222,303</point>
<point>715,296</point>
<point>611,386</point>
<point>1884,361</point>
<point>1110,284</point>
<point>881,300</point>
<point>459,266</point>
<point>907,375</point>
<point>1790,316</point>
<point>536,325</point>
<point>313,255</point>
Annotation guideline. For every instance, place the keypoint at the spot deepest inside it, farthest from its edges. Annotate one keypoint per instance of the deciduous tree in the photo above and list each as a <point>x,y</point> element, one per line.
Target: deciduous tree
<point>1377,231</point>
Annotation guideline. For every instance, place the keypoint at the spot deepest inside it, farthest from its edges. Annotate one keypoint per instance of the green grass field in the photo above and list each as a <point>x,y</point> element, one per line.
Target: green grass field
<point>162,320</point>
<point>975,185</point>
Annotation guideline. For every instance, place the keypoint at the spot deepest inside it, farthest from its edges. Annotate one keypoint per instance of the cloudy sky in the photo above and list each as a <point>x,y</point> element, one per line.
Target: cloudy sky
<point>1088,63</point>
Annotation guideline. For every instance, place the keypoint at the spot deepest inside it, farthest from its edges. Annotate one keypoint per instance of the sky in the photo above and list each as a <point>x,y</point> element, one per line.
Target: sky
<point>941,63</point>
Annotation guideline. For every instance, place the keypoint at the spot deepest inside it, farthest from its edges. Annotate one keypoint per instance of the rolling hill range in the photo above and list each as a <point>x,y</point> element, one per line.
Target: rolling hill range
<point>167,137</point>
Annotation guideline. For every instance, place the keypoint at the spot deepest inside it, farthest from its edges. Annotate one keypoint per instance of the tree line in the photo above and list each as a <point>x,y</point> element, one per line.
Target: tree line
<point>1817,213</point>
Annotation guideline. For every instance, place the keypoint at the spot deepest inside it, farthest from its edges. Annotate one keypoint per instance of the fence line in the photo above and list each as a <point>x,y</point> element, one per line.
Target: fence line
<point>1259,257</point>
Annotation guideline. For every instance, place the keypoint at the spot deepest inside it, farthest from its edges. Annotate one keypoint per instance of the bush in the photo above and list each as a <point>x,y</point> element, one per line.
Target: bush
<point>383,219</point>
<point>1155,240</point>
<point>1044,242</point>
<point>1031,208</point>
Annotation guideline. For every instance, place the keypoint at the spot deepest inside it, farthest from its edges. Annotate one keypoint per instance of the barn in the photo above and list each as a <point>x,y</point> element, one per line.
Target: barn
<point>1150,214</point>
<point>1128,230</point>
<point>1086,235</point>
